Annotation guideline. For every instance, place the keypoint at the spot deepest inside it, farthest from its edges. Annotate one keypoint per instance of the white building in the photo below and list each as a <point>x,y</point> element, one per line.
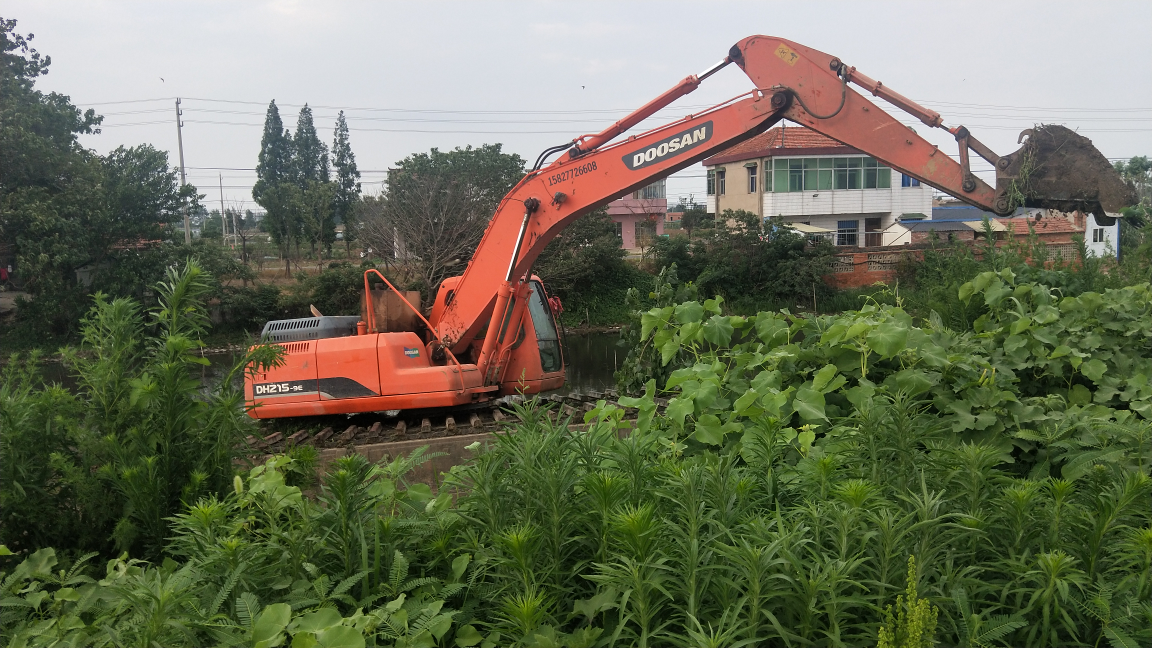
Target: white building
<point>801,176</point>
<point>1102,240</point>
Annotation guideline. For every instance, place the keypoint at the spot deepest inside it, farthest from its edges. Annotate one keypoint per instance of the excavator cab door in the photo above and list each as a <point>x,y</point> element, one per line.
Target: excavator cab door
<point>547,338</point>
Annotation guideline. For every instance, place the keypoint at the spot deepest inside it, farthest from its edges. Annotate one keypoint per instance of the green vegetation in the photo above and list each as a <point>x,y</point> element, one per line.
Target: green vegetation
<point>961,459</point>
<point>104,467</point>
<point>751,268</point>
<point>821,480</point>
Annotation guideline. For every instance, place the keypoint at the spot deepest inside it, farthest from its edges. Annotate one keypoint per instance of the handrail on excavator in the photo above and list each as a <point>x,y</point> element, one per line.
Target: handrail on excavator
<point>370,313</point>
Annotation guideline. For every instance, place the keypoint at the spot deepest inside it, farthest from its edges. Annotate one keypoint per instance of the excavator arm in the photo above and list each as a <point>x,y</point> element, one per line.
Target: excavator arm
<point>790,81</point>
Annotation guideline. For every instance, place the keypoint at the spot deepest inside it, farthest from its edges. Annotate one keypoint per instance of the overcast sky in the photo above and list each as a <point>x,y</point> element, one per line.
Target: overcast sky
<point>416,75</point>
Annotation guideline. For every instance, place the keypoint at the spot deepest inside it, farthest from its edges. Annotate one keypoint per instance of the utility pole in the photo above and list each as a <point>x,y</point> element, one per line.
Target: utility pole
<point>183,176</point>
<point>223,218</point>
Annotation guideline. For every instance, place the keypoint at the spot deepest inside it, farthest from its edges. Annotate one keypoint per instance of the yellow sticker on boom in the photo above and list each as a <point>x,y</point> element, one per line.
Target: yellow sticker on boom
<point>787,55</point>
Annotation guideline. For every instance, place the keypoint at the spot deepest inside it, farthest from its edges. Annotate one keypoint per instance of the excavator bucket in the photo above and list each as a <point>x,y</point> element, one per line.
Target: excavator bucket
<point>1060,169</point>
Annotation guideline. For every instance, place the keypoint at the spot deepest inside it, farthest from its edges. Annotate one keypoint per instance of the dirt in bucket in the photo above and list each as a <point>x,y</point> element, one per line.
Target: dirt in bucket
<point>1060,169</point>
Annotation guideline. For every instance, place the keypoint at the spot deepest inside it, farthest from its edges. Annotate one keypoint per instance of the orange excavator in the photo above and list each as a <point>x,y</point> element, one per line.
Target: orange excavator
<point>491,331</point>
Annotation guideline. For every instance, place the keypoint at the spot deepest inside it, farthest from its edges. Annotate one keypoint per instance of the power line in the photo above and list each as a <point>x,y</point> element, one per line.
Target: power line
<point>927,102</point>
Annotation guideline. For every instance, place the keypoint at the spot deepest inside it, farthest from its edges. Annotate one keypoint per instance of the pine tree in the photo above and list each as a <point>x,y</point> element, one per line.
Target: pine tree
<point>347,181</point>
<point>312,180</point>
<point>274,164</point>
<point>275,189</point>
<point>311,159</point>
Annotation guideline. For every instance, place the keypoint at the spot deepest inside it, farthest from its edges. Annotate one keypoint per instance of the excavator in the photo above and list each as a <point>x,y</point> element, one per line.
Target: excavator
<point>490,331</point>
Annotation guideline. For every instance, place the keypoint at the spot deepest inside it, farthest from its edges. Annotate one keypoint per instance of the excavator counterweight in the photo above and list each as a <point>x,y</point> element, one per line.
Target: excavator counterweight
<point>492,332</point>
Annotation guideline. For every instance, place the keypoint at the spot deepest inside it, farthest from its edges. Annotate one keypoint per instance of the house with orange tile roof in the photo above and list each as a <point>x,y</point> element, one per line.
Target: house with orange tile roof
<point>798,175</point>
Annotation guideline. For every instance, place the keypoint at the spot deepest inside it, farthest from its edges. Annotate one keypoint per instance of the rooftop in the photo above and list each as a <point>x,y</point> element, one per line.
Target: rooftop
<point>781,141</point>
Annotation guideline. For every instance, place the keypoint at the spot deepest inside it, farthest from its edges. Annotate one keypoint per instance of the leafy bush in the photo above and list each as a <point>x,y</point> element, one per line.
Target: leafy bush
<point>338,290</point>
<point>751,266</point>
<point>108,465</point>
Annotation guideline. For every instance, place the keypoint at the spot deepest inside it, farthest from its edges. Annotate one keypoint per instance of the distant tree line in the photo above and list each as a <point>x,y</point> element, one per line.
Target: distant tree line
<point>294,184</point>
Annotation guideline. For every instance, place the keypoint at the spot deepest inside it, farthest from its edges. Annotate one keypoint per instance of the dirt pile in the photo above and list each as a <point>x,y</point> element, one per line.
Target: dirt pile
<point>1060,169</point>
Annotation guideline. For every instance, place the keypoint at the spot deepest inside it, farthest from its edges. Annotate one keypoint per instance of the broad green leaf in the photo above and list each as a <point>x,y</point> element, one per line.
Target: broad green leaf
<point>420,492</point>
<point>691,333</point>
<point>1060,352</point>
<point>981,281</point>
<point>1094,369</point>
<point>1046,314</point>
<point>459,566</point>
<point>304,640</point>
<point>340,637</point>
<point>679,408</point>
<point>439,626</point>
<point>269,626</point>
<point>1021,325</point>
<point>766,380</point>
<point>912,381</point>
<point>653,319</point>
<point>709,430</point>
<point>966,292</point>
<point>857,329</point>
<point>773,403</point>
<point>820,378</point>
<point>806,438</point>
<point>718,330</point>
<point>996,293</point>
<point>713,305</point>
<point>888,340</point>
<point>316,621</point>
<point>809,404</point>
<point>669,349</point>
<point>933,355</point>
<point>468,636</point>
<point>861,394</point>
<point>745,401</point>
<point>1079,395</point>
<point>689,312</point>
<point>770,329</point>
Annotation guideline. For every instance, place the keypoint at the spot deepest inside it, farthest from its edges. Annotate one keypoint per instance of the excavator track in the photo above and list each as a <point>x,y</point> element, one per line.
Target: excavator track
<point>353,431</point>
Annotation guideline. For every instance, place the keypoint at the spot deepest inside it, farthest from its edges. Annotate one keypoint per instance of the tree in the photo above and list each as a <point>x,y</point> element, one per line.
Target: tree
<point>1137,171</point>
<point>274,163</point>
<point>310,155</point>
<point>66,210</point>
<point>212,228</point>
<point>275,181</point>
<point>437,206</point>
<point>745,265</point>
<point>347,182</point>
<point>692,214</point>
<point>583,259</point>
<point>316,213</point>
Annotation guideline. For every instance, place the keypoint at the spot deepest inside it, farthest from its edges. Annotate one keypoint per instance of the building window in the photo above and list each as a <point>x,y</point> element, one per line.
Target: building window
<point>711,182</point>
<point>652,191</point>
<point>1098,235</point>
<point>620,230</point>
<point>876,175</point>
<point>767,175</point>
<point>720,181</point>
<point>908,181</point>
<point>846,231</point>
<point>821,174</point>
<point>752,174</point>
